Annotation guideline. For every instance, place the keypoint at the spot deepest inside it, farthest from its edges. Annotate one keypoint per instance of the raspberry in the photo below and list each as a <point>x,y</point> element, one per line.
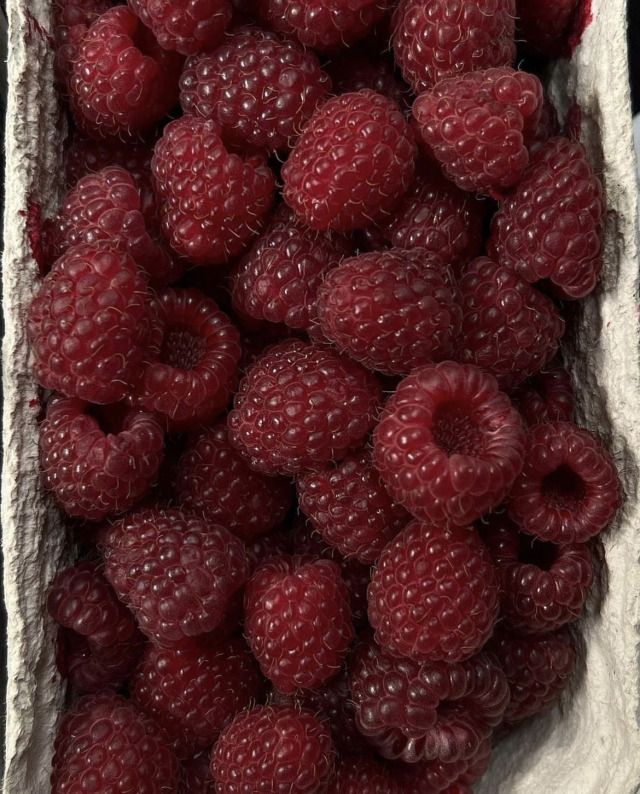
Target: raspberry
<point>211,202</point>
<point>390,310</point>
<point>364,774</point>
<point>449,444</point>
<point>550,227</point>
<point>212,479</point>
<point>568,490</point>
<point>176,572</point>
<point>71,20</point>
<point>193,690</point>
<point>544,27</point>
<point>442,38</point>
<point>94,473</point>
<point>434,594</point>
<point>105,743</point>
<point>122,82</point>
<point>299,406</point>
<point>370,165</point>
<point>542,585</point>
<point>509,328</point>
<point>187,28</point>
<point>546,397</point>
<point>196,776</point>
<point>89,324</point>
<point>273,544</point>
<point>478,126</point>
<point>355,69</point>
<point>421,712</point>
<point>298,620</point>
<point>279,750</point>
<point>259,88</point>
<point>430,777</point>
<point>193,360</point>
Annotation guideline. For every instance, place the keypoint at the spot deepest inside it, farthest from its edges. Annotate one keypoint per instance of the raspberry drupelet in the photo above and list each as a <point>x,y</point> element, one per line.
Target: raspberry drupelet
<point>449,444</point>
<point>546,397</point>
<point>435,777</point>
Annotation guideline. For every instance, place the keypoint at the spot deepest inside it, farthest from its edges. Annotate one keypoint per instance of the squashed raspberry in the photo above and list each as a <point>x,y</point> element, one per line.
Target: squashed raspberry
<point>364,774</point>
<point>546,397</point>
<point>355,69</point>
<point>449,444</point>
<point>438,777</point>
<point>544,26</point>
<point>186,27</point>
<point>298,621</point>
<point>196,775</point>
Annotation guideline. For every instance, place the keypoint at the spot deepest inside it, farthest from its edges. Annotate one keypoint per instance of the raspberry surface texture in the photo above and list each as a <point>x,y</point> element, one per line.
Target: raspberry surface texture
<point>546,397</point>
<point>196,775</point>
<point>456,777</point>
<point>71,20</point>
<point>544,27</point>
<point>364,774</point>
<point>187,27</point>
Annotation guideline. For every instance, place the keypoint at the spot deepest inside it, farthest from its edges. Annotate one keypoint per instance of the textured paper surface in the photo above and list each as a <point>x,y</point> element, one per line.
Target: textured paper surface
<point>594,746</point>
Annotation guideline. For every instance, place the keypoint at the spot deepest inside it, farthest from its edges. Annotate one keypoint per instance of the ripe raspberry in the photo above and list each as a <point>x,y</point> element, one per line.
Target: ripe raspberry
<point>187,28</point>
<point>355,69</point>
<point>298,620</point>
<point>546,397</point>
<point>550,227</point>
<point>449,445</point>
<point>211,202</point>
<point>176,572</point>
<point>105,743</point>
<point>434,594</point>
<point>544,27</point>
<point>442,38</point>
<point>390,310</point>
<point>542,586</point>
<point>211,479</point>
<point>364,774</point>
<point>280,750</point>
<point>122,82</point>
<point>370,165</point>
<point>509,328</point>
<point>194,689</point>
<point>421,712</point>
<point>478,126</point>
<point>196,775</point>
<point>568,490</point>
<point>299,406</point>
<point>259,88</point>
<point>430,777</point>
<point>89,324</point>
<point>71,20</point>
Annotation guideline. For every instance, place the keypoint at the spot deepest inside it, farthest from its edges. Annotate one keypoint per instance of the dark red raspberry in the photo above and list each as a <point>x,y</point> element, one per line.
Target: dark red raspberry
<point>273,749</point>
<point>546,397</point>
<point>542,585</point>
<point>298,620</point>
<point>421,712</point>
<point>370,166</point>
<point>176,572</point>
<point>259,88</point>
<point>348,505</point>
<point>196,775</point>
<point>211,202</point>
<point>211,479</point>
<point>568,490</point>
<point>299,406</point>
<point>442,38</point>
<point>122,81</point>
<point>550,227</point>
<point>364,774</point>
<point>273,544</point>
<point>186,27</point>
<point>192,365</point>
<point>509,328</point>
<point>544,26</point>
<point>193,690</point>
<point>355,69</point>
<point>94,473</point>
<point>434,593</point>
<point>104,742</point>
<point>71,20</point>
<point>478,126</point>
<point>390,310</point>
<point>89,324</point>
<point>433,777</point>
<point>449,444</point>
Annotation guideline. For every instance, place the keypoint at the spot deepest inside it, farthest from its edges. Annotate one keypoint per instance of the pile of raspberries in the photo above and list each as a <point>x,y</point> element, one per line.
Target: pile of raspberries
<point>298,329</point>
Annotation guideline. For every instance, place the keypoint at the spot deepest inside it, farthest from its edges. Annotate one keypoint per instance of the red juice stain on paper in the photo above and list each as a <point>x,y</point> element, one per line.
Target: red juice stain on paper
<point>583,17</point>
<point>35,235</point>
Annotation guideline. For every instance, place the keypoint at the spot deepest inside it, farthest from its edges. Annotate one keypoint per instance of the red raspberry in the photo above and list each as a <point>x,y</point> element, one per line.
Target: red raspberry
<point>421,712</point>
<point>442,38</point>
<point>478,126</point>
<point>212,479</point>
<point>299,406</point>
<point>542,586</point>
<point>449,445</point>
<point>390,310</point>
<point>364,774</point>
<point>279,750</point>
<point>105,743</point>
<point>196,775</point>
<point>355,69</point>
<point>188,27</point>
<point>434,594</point>
<point>71,20</point>
<point>212,202</point>
<point>259,88</point>
<point>550,227</point>
<point>176,572</point>
<point>94,473</point>
<point>546,397</point>
<point>568,490</point>
<point>431,777</point>
<point>298,620</point>
<point>370,166</point>
<point>544,27</point>
<point>193,690</point>
<point>89,324</point>
<point>273,544</point>
<point>85,156</point>
<point>122,82</point>
<point>509,328</point>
